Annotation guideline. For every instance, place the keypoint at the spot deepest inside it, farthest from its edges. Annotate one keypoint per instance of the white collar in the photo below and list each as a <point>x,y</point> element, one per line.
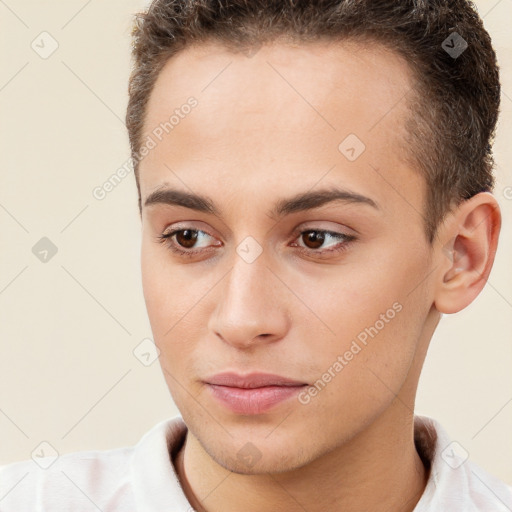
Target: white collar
<point>455,484</point>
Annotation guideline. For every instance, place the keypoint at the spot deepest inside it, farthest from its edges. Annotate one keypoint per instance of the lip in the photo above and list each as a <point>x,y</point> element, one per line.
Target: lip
<point>251,380</point>
<point>254,393</point>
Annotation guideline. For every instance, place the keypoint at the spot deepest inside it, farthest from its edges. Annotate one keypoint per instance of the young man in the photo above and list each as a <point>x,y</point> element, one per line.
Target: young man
<point>315,191</point>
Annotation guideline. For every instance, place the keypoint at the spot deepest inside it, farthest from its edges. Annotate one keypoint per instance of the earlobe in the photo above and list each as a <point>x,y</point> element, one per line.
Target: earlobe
<point>467,255</point>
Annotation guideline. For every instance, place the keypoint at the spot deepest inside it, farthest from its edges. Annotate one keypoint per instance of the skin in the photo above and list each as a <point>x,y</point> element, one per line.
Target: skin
<point>266,128</point>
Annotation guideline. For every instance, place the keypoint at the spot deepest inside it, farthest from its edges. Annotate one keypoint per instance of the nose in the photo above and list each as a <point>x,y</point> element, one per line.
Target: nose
<point>251,306</point>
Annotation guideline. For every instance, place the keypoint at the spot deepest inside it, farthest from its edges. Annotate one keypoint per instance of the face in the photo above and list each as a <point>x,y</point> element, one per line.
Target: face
<point>331,293</point>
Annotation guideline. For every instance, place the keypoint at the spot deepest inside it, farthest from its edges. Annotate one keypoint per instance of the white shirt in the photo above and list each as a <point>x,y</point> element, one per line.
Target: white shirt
<point>142,478</point>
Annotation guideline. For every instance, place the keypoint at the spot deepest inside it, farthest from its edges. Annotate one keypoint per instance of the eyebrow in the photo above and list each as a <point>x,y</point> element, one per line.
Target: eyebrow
<point>300,202</point>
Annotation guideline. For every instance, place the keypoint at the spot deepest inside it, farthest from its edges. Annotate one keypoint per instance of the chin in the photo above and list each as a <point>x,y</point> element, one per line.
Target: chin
<point>250,460</point>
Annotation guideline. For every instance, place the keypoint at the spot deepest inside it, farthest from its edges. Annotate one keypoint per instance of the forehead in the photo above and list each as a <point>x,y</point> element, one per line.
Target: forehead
<point>286,108</point>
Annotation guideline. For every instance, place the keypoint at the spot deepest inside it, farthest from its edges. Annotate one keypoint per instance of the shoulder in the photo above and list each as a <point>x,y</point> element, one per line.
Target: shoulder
<point>485,489</point>
<point>456,483</point>
<point>76,480</point>
<point>129,478</point>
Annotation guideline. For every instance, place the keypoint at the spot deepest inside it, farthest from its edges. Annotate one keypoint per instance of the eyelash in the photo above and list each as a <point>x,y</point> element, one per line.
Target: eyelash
<point>165,239</point>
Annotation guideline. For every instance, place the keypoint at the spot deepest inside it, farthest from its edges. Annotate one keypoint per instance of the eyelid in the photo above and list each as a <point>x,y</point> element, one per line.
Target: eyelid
<point>187,225</point>
<point>328,226</point>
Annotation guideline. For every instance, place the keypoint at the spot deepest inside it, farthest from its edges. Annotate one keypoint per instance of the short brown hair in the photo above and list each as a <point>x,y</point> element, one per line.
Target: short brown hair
<point>455,105</point>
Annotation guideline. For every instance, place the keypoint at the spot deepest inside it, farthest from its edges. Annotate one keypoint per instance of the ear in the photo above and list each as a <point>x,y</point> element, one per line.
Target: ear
<point>469,239</point>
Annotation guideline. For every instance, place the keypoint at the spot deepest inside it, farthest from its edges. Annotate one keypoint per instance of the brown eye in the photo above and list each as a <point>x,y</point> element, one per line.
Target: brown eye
<point>313,239</point>
<point>186,238</point>
<point>321,242</point>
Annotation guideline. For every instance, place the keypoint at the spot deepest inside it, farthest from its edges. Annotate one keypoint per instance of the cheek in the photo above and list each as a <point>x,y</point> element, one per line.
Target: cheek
<point>166,289</point>
<point>358,374</point>
<point>174,303</point>
<point>373,316</point>
<point>163,301</point>
<point>153,286</point>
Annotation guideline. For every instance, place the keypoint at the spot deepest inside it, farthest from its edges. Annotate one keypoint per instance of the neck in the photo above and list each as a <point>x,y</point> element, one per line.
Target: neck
<point>379,469</point>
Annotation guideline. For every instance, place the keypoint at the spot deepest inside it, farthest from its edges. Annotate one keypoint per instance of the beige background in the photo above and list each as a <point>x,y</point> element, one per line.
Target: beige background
<point>68,327</point>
